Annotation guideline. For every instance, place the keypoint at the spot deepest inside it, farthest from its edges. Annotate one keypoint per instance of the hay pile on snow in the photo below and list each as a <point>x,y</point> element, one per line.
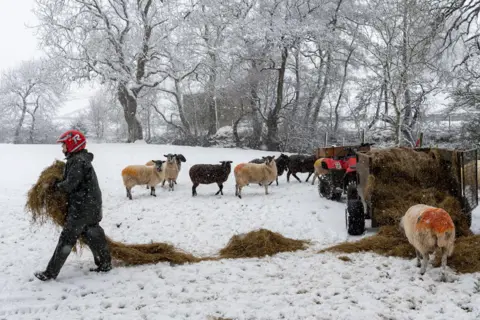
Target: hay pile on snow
<point>260,243</point>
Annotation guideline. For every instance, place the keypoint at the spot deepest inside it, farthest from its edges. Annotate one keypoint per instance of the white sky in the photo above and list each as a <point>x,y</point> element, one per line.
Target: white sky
<point>19,43</point>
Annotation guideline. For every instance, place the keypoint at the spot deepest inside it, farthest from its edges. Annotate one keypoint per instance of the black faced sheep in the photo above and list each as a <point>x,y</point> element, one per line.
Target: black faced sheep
<point>300,163</point>
<point>210,173</point>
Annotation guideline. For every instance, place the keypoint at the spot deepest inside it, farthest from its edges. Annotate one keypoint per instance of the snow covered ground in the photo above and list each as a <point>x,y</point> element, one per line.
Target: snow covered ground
<point>301,285</point>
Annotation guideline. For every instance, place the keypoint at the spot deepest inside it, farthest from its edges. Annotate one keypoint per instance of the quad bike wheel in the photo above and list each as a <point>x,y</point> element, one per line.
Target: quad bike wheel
<point>326,188</point>
<point>354,213</point>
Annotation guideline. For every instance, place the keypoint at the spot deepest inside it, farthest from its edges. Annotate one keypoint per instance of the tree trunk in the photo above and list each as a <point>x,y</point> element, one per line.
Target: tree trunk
<point>342,87</point>
<point>407,116</point>
<point>128,100</point>
<point>32,129</point>
<point>257,121</point>
<point>323,92</point>
<point>273,142</point>
<point>212,105</point>
<point>181,111</point>
<point>16,138</point>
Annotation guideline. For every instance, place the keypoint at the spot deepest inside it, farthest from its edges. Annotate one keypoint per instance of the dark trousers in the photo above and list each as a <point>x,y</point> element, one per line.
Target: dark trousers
<point>92,234</point>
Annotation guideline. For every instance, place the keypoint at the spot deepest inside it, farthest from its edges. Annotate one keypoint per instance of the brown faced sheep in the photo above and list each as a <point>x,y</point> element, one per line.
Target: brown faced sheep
<point>246,173</point>
<point>134,175</point>
<point>428,228</point>
<point>210,173</point>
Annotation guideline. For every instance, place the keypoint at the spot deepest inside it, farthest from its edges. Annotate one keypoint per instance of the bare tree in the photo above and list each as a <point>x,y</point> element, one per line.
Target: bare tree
<point>31,87</point>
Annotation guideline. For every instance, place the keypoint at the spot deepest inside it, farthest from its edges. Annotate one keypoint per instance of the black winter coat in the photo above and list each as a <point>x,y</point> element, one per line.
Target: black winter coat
<point>81,184</point>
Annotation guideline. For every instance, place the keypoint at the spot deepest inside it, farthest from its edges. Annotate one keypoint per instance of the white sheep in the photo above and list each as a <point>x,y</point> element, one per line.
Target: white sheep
<point>428,228</point>
<point>135,175</point>
<point>170,168</point>
<point>246,173</point>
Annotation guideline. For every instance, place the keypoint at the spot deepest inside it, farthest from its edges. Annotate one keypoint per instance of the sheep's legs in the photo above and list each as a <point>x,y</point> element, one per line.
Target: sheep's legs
<point>194,189</point>
<point>163,184</point>
<point>170,185</point>
<point>314,177</point>
<point>444,265</point>
<point>419,256</point>
<point>295,175</point>
<point>288,176</point>
<point>220,185</point>
<point>423,269</point>
<point>238,191</point>
<point>152,191</point>
<point>129,194</point>
<point>309,174</point>
<point>266,187</point>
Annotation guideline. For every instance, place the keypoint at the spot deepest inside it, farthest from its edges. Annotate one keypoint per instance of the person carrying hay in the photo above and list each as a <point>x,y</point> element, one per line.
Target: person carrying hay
<point>84,208</point>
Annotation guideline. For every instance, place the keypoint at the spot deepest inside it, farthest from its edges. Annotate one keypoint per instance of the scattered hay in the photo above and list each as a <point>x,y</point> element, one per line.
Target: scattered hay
<point>260,243</point>
<point>389,241</point>
<point>345,258</point>
<point>466,255</point>
<point>137,254</point>
<point>402,177</point>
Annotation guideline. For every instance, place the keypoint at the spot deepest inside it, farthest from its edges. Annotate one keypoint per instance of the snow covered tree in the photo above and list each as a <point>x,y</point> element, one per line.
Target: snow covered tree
<point>31,88</point>
<point>116,41</point>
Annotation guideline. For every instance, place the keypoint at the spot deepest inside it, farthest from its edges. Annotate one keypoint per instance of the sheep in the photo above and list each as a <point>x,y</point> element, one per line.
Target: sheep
<point>318,170</point>
<point>281,162</point>
<point>134,175</point>
<point>180,158</point>
<point>264,173</point>
<point>300,163</point>
<point>170,167</point>
<point>210,173</point>
<point>428,228</point>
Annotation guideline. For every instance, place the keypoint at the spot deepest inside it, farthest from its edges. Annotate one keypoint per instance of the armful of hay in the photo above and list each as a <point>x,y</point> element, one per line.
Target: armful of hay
<point>44,201</point>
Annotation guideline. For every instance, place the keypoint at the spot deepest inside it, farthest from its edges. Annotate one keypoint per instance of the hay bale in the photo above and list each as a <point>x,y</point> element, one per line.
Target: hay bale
<point>402,177</point>
<point>260,243</point>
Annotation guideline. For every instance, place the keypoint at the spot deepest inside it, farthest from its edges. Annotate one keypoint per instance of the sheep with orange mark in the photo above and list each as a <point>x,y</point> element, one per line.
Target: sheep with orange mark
<point>135,175</point>
<point>428,228</point>
<point>319,170</point>
<point>170,169</point>
<point>246,173</point>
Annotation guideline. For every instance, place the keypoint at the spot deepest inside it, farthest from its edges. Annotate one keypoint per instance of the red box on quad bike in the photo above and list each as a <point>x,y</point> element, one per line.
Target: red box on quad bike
<point>339,165</point>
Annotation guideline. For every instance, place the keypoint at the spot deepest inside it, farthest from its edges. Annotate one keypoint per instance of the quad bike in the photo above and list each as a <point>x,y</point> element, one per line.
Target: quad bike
<point>339,169</point>
<point>361,206</point>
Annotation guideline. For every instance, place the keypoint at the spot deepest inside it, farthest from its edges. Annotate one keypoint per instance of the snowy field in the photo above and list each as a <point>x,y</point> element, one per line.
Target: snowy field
<point>300,285</point>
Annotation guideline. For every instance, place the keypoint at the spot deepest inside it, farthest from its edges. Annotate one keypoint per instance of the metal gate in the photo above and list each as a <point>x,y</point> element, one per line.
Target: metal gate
<point>469,184</point>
